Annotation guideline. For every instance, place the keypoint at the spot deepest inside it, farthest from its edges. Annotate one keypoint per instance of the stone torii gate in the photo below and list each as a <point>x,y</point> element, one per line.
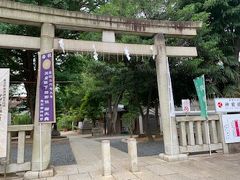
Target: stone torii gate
<point>50,19</point>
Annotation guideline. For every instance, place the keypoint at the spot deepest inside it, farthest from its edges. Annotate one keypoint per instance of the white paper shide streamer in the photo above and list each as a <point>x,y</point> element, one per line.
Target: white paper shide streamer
<point>61,44</point>
<point>151,48</point>
<point>95,54</point>
<point>220,63</point>
<point>126,52</point>
<point>239,56</point>
<point>171,101</point>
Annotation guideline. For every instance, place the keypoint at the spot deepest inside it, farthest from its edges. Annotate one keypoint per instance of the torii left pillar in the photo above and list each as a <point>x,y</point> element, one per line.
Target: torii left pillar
<point>41,159</point>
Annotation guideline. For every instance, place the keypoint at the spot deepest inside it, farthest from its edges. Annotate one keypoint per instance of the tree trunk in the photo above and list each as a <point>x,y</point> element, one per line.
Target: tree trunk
<point>146,117</point>
<point>30,77</point>
<point>112,113</point>
<point>237,53</point>
<point>237,47</point>
<point>109,115</point>
<point>115,111</point>
<point>114,118</point>
<point>140,108</point>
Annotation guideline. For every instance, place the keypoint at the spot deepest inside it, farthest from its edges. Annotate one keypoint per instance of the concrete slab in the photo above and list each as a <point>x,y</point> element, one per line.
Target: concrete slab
<point>214,170</point>
<point>145,174</point>
<point>66,170</point>
<point>89,168</point>
<point>103,178</point>
<point>151,160</point>
<point>84,176</point>
<point>160,169</point>
<point>97,175</point>
<point>58,178</point>
<point>175,176</point>
<point>152,167</point>
<point>141,163</point>
<point>190,168</point>
<point>124,175</point>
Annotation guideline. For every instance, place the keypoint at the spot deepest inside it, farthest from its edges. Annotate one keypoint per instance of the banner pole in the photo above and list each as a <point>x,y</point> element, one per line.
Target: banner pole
<point>208,131</point>
<point>5,169</point>
<point>40,146</point>
<point>208,134</point>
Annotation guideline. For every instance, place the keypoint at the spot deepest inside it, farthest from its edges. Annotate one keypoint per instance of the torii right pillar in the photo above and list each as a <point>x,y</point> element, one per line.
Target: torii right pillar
<point>170,137</point>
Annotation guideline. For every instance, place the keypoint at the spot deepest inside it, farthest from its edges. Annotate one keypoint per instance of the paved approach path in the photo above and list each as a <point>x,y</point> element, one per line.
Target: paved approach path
<point>87,152</point>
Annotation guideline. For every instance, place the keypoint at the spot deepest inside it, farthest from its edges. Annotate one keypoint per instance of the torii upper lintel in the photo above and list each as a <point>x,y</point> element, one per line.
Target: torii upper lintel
<point>20,13</point>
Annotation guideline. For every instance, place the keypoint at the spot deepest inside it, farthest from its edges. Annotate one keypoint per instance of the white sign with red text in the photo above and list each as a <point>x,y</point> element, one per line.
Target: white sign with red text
<point>227,104</point>
<point>4,93</point>
<point>186,105</point>
<point>231,128</point>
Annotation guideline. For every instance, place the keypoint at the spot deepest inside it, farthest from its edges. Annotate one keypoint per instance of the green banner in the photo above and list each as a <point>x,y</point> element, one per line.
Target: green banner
<point>199,83</point>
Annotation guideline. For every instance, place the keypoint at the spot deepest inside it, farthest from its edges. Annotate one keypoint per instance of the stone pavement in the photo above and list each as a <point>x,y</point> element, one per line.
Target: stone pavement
<point>88,156</point>
<point>87,152</point>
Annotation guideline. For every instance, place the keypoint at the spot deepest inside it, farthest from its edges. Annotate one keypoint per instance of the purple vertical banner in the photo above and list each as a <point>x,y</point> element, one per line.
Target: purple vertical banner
<point>46,91</point>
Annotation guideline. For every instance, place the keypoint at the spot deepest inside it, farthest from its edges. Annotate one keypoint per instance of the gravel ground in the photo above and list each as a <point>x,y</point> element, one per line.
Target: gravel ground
<point>61,153</point>
<point>143,148</point>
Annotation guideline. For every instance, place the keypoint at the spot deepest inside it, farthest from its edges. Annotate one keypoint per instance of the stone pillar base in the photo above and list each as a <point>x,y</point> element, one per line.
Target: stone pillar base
<point>39,174</point>
<point>177,157</point>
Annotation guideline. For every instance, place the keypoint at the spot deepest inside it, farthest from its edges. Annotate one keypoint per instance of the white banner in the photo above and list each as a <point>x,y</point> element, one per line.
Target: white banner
<point>227,104</point>
<point>231,128</point>
<point>171,101</point>
<point>4,95</point>
<point>186,105</point>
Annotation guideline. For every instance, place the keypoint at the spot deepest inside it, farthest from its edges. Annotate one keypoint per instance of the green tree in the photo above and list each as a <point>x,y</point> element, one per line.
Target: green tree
<point>139,74</point>
<point>130,118</point>
<point>23,63</point>
<point>217,43</point>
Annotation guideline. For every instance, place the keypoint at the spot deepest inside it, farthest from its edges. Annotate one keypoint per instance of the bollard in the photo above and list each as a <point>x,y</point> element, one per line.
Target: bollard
<point>132,152</point>
<point>106,158</point>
